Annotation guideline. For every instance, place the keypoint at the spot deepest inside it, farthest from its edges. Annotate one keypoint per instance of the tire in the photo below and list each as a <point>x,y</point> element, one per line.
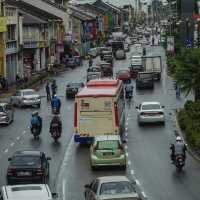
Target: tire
<point>93,168</point>
<point>20,104</point>
<point>123,167</point>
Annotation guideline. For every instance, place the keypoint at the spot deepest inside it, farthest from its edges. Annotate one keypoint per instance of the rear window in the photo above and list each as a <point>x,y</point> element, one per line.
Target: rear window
<point>29,93</point>
<point>151,107</point>
<point>108,144</point>
<point>112,188</point>
<point>25,160</point>
<point>23,188</point>
<point>145,76</point>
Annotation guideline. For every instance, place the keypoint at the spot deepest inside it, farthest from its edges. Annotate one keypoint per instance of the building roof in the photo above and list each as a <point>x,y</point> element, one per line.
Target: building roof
<point>100,88</point>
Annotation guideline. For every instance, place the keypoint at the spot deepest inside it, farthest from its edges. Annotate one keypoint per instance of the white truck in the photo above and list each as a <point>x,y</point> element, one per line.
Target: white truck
<point>153,64</point>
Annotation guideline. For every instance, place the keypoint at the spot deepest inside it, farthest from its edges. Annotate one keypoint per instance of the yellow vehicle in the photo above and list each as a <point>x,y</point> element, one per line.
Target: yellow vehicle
<point>99,110</point>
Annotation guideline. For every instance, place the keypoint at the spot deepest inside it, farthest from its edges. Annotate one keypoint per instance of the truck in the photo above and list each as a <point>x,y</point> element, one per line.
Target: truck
<point>153,64</point>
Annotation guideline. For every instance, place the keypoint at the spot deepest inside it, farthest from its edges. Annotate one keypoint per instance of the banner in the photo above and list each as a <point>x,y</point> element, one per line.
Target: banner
<point>3,26</point>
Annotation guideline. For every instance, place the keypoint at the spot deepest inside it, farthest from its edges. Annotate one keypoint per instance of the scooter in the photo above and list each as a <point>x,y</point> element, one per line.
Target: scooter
<point>35,130</point>
<point>179,162</point>
<point>55,110</point>
<point>55,134</point>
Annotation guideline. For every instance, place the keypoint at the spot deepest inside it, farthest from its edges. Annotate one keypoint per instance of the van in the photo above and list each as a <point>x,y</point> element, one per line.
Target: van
<point>29,191</point>
<point>145,80</point>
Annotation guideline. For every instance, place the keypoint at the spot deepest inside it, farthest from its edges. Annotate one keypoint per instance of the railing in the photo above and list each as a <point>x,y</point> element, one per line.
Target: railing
<point>11,46</point>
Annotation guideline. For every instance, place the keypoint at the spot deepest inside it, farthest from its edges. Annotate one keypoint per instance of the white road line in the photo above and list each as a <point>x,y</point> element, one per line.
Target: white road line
<point>126,154</point>
<point>12,144</point>
<point>126,147</point>
<point>129,162</point>
<point>132,172</point>
<point>137,182</point>
<point>63,189</point>
<point>24,132</point>
<point>6,150</point>
<point>127,119</point>
<point>144,195</point>
<point>126,128</point>
<point>18,138</point>
<point>126,123</point>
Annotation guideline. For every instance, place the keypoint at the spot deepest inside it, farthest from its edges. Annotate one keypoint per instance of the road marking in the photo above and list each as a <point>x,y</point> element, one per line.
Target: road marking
<point>6,150</point>
<point>24,132</point>
<point>126,147</point>
<point>126,123</point>
<point>132,172</point>
<point>127,118</point>
<point>129,162</point>
<point>144,195</point>
<point>63,189</point>
<point>18,138</point>
<point>126,154</point>
<point>126,128</point>
<point>137,182</point>
<point>12,144</point>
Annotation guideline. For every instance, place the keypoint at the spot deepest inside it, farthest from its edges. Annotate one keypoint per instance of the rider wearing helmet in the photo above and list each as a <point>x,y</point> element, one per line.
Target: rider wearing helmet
<point>177,148</point>
<point>56,103</point>
<point>36,120</point>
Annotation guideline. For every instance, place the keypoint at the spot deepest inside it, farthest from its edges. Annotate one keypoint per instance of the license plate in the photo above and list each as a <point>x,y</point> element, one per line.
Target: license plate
<point>108,154</point>
<point>24,173</point>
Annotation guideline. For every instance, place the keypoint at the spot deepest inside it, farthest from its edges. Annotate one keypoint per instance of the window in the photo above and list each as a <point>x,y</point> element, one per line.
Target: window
<point>94,187</point>
<point>11,32</point>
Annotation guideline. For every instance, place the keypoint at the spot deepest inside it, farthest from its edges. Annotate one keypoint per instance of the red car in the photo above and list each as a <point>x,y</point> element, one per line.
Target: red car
<point>123,75</point>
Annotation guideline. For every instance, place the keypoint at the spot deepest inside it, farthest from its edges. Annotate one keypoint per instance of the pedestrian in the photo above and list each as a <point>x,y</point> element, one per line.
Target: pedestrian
<point>48,91</point>
<point>90,61</point>
<point>53,88</point>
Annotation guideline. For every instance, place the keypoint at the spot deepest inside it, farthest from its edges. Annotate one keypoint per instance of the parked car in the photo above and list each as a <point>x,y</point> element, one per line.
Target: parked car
<point>30,191</point>
<point>28,167</point>
<point>110,188</point>
<point>25,97</point>
<point>6,113</point>
<point>150,112</point>
<point>107,150</point>
<point>123,75</point>
<point>107,69</point>
<point>120,54</point>
<point>73,88</point>
<point>93,52</point>
<point>145,80</point>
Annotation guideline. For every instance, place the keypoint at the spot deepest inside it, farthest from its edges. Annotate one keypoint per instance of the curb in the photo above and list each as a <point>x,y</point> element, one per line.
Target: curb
<point>190,151</point>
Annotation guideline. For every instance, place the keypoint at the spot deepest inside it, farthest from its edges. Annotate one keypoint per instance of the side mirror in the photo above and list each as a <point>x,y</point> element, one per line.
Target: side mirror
<point>87,186</point>
<point>54,195</point>
<point>48,158</point>
<point>9,159</point>
<point>136,107</point>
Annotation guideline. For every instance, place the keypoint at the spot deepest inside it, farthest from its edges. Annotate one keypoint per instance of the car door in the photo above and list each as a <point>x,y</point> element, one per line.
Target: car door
<point>93,190</point>
<point>9,110</point>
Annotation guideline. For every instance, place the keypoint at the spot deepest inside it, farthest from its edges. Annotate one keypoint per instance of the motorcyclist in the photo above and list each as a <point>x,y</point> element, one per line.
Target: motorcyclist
<point>178,148</point>
<point>36,120</point>
<point>56,103</point>
<point>56,125</point>
<point>129,90</point>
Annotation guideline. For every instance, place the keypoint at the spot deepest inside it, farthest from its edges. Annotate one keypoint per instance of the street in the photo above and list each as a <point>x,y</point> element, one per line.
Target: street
<point>147,147</point>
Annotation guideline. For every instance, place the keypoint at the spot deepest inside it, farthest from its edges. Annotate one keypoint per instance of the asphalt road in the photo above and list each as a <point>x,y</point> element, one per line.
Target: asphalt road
<point>147,147</point>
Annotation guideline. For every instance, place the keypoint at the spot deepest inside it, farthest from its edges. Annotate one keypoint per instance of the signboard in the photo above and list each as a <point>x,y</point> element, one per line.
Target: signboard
<point>170,43</point>
<point>3,27</point>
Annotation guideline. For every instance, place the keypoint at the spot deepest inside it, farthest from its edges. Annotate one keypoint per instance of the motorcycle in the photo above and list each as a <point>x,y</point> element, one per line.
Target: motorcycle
<point>55,134</point>
<point>179,162</point>
<point>55,110</point>
<point>35,130</point>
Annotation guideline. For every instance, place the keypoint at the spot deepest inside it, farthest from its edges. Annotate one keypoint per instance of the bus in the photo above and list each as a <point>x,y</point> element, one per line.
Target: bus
<point>99,110</point>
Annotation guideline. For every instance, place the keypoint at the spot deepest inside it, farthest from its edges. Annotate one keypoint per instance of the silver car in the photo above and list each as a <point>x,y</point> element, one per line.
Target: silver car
<point>26,97</point>
<point>6,113</point>
<point>109,188</point>
<point>150,112</point>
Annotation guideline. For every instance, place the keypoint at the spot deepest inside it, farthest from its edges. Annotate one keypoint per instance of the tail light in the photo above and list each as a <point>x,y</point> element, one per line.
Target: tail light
<point>11,172</point>
<point>40,172</point>
<point>116,114</point>
<point>143,114</point>
<point>75,115</point>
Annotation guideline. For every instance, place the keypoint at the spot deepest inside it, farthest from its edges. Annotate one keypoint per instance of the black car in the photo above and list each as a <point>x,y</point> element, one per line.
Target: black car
<point>72,89</point>
<point>28,167</point>
<point>145,80</point>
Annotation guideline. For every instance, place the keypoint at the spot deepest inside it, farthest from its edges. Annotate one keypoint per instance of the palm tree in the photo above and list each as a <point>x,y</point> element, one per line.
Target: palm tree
<point>187,72</point>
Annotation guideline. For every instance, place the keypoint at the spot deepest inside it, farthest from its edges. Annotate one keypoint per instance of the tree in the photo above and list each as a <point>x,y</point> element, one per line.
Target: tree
<point>187,72</point>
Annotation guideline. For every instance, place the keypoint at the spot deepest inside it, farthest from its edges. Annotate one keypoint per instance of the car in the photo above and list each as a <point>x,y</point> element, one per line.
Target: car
<point>25,97</point>
<point>110,188</point>
<point>120,54</point>
<point>145,80</point>
<point>107,150</point>
<point>106,53</point>
<point>28,166</point>
<point>123,75</point>
<point>73,88</point>
<point>93,76</point>
<point>6,113</point>
<point>93,52</point>
<point>71,62</point>
<point>107,69</point>
<point>30,191</point>
<point>136,60</point>
<point>150,112</point>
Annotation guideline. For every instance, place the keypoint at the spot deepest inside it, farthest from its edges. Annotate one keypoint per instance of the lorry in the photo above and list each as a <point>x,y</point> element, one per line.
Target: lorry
<point>153,64</point>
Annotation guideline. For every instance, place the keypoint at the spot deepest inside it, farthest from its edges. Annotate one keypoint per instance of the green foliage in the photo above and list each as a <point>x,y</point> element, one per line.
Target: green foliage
<point>189,121</point>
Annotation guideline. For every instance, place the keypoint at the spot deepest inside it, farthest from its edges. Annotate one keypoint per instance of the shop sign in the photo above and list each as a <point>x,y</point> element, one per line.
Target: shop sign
<point>3,26</point>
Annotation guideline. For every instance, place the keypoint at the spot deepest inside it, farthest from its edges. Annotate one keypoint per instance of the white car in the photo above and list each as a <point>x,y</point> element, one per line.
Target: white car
<point>110,188</point>
<point>150,112</point>
<point>26,97</point>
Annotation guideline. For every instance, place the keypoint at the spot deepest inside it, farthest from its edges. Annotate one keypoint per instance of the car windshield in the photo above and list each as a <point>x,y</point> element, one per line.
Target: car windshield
<point>25,160</point>
<point>145,76</point>
<point>27,93</point>
<point>151,107</point>
<point>112,188</point>
<point>75,85</point>
<point>107,144</point>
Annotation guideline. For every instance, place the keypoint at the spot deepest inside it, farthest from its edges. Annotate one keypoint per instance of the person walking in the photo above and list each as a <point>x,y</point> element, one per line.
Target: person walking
<point>53,88</point>
<point>48,91</point>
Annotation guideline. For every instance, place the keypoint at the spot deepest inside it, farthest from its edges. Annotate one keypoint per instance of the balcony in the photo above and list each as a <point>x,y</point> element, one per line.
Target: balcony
<point>11,47</point>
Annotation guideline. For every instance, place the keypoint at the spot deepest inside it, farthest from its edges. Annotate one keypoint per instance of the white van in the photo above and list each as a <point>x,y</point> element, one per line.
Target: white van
<point>29,191</point>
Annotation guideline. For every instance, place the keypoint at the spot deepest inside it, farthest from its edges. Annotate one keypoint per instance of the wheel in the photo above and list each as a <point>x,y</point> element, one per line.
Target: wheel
<point>93,167</point>
<point>124,167</point>
<point>20,104</point>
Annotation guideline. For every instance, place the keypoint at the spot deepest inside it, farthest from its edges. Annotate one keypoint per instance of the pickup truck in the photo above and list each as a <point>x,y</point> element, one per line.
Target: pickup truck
<point>153,64</point>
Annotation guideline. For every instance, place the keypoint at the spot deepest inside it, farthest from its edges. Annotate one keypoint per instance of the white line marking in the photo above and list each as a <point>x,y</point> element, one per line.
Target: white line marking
<point>137,182</point>
<point>12,144</point>
<point>63,189</point>
<point>23,133</point>
<point>126,129</point>
<point>126,154</point>
<point>144,195</point>
<point>18,138</point>
<point>129,162</point>
<point>126,123</point>
<point>6,150</point>
<point>126,147</point>
<point>132,172</point>
<point>127,118</point>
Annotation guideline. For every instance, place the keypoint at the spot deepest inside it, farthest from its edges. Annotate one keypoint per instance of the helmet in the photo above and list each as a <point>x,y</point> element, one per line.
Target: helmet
<point>178,139</point>
<point>34,113</point>
<point>54,95</point>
